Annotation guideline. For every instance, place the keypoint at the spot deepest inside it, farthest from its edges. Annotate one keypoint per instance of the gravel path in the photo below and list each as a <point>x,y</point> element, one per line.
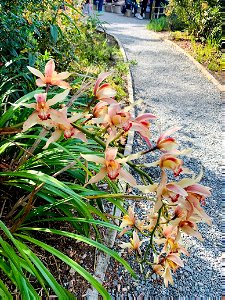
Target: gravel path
<point>175,90</point>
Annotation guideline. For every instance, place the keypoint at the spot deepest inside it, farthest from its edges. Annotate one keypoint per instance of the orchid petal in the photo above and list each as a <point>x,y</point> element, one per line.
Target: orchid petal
<point>63,75</point>
<point>36,72</point>
<point>141,129</point>
<point>148,188</point>
<point>32,120</point>
<point>167,276</point>
<point>199,189</point>
<point>102,173</point>
<point>168,132</point>
<point>29,105</point>
<point>54,137</point>
<point>176,259</point>
<point>59,116</point>
<point>176,189</point>
<point>127,177</point>
<point>40,82</point>
<point>145,117</point>
<point>94,158</point>
<point>62,84</point>
<point>105,92</point>
<point>80,135</point>
<point>49,68</point>
<point>75,117</point>
<point>129,157</point>
<point>58,98</point>
<point>110,153</point>
<point>190,231</point>
<point>185,182</point>
<point>108,100</point>
<point>101,77</point>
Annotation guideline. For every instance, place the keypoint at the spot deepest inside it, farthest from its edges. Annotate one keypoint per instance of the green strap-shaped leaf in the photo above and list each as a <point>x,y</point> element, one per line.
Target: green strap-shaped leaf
<point>4,292</point>
<point>87,241</point>
<point>72,264</point>
<point>57,288</point>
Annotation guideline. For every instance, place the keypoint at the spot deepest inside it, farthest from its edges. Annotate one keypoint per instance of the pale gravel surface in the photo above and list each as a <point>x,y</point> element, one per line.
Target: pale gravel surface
<point>176,91</point>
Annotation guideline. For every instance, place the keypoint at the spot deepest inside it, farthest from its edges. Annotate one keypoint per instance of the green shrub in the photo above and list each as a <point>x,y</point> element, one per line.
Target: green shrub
<point>160,24</point>
<point>201,18</point>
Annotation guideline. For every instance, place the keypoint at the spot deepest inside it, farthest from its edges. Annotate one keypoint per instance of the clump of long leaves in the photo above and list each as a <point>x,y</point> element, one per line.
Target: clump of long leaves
<point>57,150</point>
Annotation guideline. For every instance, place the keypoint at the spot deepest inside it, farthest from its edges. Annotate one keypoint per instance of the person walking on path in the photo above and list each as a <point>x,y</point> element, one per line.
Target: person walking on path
<point>174,89</point>
<point>144,8</point>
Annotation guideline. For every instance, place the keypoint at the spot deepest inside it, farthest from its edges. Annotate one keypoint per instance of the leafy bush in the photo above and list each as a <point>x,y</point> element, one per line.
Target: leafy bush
<point>35,31</point>
<point>201,18</point>
<point>160,24</point>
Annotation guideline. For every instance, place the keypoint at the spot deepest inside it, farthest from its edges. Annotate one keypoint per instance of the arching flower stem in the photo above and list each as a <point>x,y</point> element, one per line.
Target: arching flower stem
<point>150,245</point>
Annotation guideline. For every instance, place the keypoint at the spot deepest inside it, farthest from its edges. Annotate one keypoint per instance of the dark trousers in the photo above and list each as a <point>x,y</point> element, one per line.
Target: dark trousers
<point>100,5</point>
<point>143,7</point>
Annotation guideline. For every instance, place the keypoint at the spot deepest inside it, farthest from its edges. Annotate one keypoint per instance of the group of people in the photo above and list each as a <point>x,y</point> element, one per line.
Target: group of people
<point>131,5</point>
<point>146,6</point>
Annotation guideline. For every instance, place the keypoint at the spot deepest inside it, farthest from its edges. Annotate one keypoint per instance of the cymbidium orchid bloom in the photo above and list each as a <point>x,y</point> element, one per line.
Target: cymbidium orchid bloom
<point>118,118</point>
<point>63,125</point>
<point>196,196</point>
<point>100,110</point>
<point>104,92</point>
<point>111,166</point>
<point>190,228</point>
<point>142,125</point>
<point>51,77</point>
<point>170,240</point>
<point>130,221</point>
<point>134,244</point>
<point>164,266</point>
<point>166,143</point>
<point>42,108</point>
<point>171,162</point>
<point>168,191</point>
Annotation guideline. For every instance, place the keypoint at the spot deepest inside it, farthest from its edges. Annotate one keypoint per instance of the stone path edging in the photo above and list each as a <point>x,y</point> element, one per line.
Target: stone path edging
<point>206,73</point>
<point>102,260</point>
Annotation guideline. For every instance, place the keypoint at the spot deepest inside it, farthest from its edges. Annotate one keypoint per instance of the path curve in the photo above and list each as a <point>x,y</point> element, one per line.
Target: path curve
<point>178,93</point>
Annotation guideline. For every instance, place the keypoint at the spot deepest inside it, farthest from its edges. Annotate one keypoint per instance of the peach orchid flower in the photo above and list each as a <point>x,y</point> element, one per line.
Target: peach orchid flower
<point>104,92</point>
<point>169,191</point>
<point>111,166</point>
<point>163,268</point>
<point>134,243</point>
<point>100,110</point>
<point>130,221</point>
<point>166,143</point>
<point>63,125</point>
<point>42,108</point>
<point>51,77</point>
<point>171,236</point>
<point>171,162</point>
<point>196,196</point>
<point>142,125</point>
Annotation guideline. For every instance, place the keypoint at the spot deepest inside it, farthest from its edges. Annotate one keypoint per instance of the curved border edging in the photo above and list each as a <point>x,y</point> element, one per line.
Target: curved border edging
<point>206,73</point>
<point>102,260</point>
